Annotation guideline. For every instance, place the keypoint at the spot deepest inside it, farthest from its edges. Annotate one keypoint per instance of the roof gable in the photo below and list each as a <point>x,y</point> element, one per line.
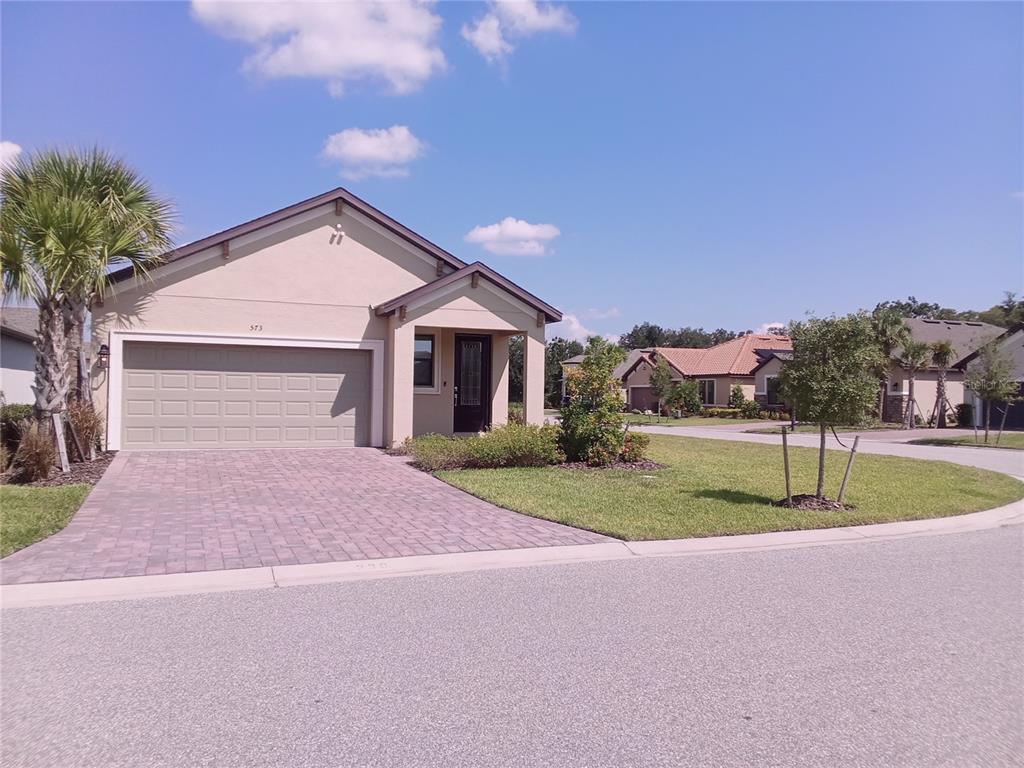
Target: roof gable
<point>339,196</point>
<point>476,270</point>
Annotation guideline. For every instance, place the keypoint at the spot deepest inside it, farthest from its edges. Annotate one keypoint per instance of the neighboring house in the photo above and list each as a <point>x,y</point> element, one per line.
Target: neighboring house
<point>766,377</point>
<point>716,369</point>
<point>620,370</point>
<point>965,336</point>
<point>326,323</point>
<point>18,353</point>
<point>1011,344</point>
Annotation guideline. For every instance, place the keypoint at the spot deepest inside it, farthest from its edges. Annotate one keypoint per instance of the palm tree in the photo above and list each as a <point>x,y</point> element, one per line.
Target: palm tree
<point>914,357</point>
<point>942,358</point>
<point>890,333</point>
<point>109,217</point>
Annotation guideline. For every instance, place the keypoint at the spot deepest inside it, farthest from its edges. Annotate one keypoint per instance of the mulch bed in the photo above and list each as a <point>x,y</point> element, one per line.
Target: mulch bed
<point>81,473</point>
<point>811,503</point>
<point>645,465</point>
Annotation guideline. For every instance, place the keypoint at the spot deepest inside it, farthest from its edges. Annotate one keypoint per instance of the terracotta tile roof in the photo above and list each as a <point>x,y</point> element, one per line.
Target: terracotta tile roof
<point>737,357</point>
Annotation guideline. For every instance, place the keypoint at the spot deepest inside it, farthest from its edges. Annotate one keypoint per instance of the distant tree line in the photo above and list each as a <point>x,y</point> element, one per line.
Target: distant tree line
<point>650,335</point>
<point>1006,314</point>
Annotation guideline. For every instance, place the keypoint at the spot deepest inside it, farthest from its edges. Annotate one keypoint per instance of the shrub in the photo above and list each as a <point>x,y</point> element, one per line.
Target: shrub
<point>5,457</point>
<point>736,396</point>
<point>750,409</point>
<point>513,445</point>
<point>10,417</point>
<point>592,426</point>
<point>37,452</point>
<point>685,396</point>
<point>965,415</point>
<point>516,413</point>
<point>635,447</point>
<point>87,423</point>
<point>721,413</point>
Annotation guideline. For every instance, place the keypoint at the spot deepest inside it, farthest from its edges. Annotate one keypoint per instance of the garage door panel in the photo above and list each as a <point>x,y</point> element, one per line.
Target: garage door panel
<point>176,397</point>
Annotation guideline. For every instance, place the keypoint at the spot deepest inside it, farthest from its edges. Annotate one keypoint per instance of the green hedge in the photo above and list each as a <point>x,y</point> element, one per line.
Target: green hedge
<point>513,445</point>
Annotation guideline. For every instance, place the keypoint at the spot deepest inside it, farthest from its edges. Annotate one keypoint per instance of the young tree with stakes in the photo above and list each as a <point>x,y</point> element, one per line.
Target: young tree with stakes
<point>942,358</point>
<point>914,357</point>
<point>832,374</point>
<point>661,382</point>
<point>990,377</point>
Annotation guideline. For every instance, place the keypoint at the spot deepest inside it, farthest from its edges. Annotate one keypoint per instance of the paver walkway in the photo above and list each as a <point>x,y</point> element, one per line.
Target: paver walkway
<point>157,512</point>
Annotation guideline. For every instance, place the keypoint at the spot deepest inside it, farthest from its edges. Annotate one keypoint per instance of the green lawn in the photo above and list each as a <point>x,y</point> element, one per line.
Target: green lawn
<point>813,429</point>
<point>1011,440</point>
<point>688,421</point>
<point>30,514</point>
<point>712,487</point>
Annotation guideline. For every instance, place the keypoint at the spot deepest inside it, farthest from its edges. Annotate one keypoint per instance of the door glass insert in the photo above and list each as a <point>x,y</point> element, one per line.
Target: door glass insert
<point>470,379</point>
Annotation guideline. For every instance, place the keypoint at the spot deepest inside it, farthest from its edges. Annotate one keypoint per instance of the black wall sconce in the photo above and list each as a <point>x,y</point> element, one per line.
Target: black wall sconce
<point>103,356</point>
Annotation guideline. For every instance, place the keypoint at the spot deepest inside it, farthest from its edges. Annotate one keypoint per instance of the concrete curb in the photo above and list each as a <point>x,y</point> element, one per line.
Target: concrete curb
<point>138,587</point>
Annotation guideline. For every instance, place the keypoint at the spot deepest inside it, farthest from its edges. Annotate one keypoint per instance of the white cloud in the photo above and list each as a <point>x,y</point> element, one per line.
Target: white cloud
<point>572,328</point>
<point>514,237</point>
<point>603,314</point>
<point>378,152</point>
<point>485,35</point>
<point>515,19</point>
<point>391,40</point>
<point>9,152</point>
<point>766,328</point>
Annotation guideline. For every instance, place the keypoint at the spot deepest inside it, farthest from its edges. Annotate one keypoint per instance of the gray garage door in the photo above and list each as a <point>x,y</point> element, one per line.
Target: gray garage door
<point>211,396</point>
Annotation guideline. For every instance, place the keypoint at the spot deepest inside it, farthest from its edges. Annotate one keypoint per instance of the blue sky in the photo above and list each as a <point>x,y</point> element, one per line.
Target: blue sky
<point>717,165</point>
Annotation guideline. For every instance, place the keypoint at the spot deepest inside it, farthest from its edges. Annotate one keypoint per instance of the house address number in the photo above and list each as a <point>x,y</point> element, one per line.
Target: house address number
<point>255,327</point>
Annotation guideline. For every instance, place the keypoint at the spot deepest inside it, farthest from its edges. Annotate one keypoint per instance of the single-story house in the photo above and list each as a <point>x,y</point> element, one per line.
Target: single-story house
<point>965,336</point>
<point>1011,345</point>
<point>620,370</point>
<point>716,369</point>
<point>326,323</point>
<point>18,353</point>
<point>766,377</point>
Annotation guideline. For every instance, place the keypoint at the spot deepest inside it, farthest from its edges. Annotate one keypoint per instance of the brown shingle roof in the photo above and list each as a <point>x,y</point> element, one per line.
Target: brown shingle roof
<point>19,322</point>
<point>965,335</point>
<point>737,357</point>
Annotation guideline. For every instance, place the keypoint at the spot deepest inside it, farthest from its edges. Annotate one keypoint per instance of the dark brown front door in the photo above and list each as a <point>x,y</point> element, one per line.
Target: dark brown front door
<point>472,383</point>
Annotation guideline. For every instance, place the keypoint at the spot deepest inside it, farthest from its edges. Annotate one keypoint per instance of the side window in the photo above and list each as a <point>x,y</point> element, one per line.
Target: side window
<point>423,362</point>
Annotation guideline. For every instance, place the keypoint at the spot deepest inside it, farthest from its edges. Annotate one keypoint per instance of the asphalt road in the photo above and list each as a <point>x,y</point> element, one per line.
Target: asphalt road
<point>888,443</point>
<point>898,653</point>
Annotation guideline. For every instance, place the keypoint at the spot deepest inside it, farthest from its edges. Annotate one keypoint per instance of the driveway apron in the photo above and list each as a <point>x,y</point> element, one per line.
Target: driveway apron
<point>158,512</point>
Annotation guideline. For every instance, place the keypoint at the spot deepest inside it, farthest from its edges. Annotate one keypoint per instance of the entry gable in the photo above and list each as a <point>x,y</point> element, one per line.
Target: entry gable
<point>474,275</point>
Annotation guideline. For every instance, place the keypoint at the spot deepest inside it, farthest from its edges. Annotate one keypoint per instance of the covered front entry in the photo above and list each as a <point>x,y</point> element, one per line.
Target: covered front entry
<point>448,354</point>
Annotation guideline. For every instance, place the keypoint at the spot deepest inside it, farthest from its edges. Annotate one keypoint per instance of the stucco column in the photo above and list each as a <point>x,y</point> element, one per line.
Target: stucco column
<point>499,380</point>
<point>398,419</point>
<point>533,376</point>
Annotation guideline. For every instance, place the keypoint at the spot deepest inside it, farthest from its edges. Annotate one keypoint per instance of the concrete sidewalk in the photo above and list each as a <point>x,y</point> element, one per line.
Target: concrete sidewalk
<point>96,590</point>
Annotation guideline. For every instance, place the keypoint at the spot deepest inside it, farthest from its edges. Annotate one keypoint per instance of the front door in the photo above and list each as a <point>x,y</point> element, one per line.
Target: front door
<point>472,383</point>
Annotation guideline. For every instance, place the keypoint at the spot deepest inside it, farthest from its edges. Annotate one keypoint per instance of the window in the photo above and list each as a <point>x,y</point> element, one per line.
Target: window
<point>897,385</point>
<point>771,386</point>
<point>423,362</point>
<point>706,388</point>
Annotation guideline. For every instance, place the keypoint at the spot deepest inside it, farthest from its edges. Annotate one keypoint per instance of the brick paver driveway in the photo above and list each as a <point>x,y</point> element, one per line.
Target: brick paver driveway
<point>160,512</point>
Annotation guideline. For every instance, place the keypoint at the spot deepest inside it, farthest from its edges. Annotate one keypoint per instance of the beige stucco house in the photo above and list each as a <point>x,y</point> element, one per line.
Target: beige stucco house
<point>326,323</point>
<point>716,369</point>
<point>966,336</point>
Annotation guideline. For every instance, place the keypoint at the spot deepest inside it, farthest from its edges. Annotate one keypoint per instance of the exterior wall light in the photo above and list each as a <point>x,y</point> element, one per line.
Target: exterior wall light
<point>103,356</point>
